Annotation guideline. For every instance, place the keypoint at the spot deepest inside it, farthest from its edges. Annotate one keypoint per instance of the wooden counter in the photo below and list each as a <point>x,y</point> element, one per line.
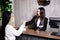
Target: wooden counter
<point>40,34</point>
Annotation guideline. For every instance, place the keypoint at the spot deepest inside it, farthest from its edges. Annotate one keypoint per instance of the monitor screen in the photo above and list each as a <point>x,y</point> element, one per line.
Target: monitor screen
<point>53,22</point>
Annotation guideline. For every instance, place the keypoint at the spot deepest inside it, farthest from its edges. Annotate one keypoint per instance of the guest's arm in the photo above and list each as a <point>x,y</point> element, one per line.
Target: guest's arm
<point>15,32</point>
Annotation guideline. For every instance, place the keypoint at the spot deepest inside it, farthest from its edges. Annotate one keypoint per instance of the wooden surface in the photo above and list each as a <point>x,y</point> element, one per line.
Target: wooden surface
<point>40,34</point>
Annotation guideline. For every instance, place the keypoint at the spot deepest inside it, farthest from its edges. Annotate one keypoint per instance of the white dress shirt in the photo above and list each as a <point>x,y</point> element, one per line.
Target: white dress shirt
<point>38,22</point>
<point>11,32</point>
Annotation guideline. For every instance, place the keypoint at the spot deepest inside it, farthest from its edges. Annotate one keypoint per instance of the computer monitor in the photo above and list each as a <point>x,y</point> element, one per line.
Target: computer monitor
<point>54,22</point>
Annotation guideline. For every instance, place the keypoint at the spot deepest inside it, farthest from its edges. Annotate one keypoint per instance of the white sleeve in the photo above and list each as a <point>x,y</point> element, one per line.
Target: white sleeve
<point>17,32</point>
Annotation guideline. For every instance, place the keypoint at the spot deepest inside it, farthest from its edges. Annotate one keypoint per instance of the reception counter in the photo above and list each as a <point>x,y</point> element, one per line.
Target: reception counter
<point>30,34</point>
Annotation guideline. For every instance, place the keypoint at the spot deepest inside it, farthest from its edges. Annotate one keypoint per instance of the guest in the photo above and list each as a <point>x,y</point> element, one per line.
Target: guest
<point>10,31</point>
<point>39,21</point>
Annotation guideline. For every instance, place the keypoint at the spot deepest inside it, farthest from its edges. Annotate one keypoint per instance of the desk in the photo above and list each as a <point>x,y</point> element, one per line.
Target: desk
<point>44,34</point>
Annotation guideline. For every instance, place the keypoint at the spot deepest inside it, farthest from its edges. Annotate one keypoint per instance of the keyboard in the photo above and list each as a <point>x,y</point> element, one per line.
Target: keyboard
<point>55,33</point>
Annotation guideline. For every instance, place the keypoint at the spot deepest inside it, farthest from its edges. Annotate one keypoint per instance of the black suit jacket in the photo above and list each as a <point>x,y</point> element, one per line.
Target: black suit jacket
<point>34,25</point>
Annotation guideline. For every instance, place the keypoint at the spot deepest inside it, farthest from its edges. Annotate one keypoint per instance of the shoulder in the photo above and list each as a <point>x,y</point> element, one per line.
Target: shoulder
<point>34,16</point>
<point>9,26</point>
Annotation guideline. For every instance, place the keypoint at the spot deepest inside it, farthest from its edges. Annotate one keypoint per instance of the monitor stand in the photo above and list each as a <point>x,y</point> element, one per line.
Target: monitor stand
<point>56,33</point>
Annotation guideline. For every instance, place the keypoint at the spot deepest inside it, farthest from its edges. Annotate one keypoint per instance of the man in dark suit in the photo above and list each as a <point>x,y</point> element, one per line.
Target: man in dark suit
<point>39,21</point>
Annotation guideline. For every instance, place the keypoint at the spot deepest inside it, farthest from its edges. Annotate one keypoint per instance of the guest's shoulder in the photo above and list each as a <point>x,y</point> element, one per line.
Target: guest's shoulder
<point>8,26</point>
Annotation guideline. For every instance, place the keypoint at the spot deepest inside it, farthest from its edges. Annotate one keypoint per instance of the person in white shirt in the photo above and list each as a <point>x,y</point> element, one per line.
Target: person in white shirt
<point>10,31</point>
